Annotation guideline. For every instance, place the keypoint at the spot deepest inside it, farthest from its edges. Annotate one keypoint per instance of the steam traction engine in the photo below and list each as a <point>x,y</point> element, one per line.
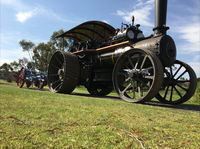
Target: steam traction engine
<point>27,76</point>
<point>138,68</point>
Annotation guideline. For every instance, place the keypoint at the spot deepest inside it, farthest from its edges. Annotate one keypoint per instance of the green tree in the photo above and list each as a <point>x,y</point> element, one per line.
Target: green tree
<point>17,65</point>
<point>59,43</point>
<point>42,54</point>
<point>27,46</point>
<point>6,72</point>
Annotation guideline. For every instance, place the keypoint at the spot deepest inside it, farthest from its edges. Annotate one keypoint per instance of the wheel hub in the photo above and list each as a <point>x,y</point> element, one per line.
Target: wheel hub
<point>137,74</point>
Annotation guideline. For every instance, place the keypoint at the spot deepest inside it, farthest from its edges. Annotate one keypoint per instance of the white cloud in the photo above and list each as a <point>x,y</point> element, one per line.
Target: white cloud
<point>191,34</point>
<point>23,16</point>
<point>195,66</point>
<point>25,11</point>
<point>141,12</point>
<point>18,5</point>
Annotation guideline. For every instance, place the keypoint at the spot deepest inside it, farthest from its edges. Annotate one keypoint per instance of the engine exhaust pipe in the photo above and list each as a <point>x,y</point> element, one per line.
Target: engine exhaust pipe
<point>160,17</point>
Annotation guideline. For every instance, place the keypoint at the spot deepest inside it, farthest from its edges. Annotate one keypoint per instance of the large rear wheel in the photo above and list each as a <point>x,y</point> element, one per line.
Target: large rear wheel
<point>63,72</point>
<point>179,84</point>
<point>137,75</point>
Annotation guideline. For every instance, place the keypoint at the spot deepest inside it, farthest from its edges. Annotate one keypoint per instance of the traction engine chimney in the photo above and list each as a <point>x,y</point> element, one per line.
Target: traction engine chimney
<point>160,17</point>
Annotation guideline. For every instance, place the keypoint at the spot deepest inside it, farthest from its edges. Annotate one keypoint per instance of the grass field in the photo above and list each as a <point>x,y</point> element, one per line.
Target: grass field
<point>30,118</point>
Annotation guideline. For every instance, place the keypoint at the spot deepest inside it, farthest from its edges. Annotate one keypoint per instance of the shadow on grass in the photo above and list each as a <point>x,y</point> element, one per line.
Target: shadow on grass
<point>187,107</point>
<point>37,89</point>
<point>102,97</point>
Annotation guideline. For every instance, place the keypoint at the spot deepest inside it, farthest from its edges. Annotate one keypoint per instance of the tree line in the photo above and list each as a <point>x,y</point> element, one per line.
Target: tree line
<point>39,55</point>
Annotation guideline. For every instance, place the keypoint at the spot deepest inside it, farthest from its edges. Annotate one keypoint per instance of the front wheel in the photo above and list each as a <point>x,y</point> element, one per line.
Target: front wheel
<point>179,84</point>
<point>137,75</point>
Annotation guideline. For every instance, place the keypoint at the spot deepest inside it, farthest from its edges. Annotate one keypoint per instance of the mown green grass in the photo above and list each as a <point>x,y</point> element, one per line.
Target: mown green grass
<point>40,119</point>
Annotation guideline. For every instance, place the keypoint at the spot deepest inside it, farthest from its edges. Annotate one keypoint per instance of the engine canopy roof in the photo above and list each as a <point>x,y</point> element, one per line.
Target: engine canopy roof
<point>91,30</point>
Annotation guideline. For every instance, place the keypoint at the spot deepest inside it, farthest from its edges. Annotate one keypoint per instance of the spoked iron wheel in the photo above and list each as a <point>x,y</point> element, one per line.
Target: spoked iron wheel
<point>41,85</point>
<point>21,78</point>
<point>99,91</point>
<point>36,83</point>
<point>63,72</point>
<point>28,83</point>
<point>179,84</point>
<point>137,76</point>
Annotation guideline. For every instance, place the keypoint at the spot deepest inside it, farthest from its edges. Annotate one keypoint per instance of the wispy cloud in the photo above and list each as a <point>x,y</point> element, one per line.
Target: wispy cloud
<point>195,63</point>
<point>18,5</point>
<point>23,16</point>
<point>25,12</point>
<point>190,33</point>
<point>185,25</point>
<point>141,11</point>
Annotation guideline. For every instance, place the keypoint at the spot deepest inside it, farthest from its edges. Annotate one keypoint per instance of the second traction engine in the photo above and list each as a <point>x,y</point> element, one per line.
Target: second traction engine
<point>138,68</point>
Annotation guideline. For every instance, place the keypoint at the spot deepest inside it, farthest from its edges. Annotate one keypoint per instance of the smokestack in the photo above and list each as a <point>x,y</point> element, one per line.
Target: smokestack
<point>160,17</point>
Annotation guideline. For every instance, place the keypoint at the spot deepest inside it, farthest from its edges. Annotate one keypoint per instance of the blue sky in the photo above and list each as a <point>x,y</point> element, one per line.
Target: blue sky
<point>36,20</point>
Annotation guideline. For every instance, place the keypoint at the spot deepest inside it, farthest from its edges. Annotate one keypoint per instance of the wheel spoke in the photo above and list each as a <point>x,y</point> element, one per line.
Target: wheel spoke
<point>56,81</point>
<point>178,92</point>
<point>127,67</point>
<point>133,89</point>
<point>166,92</point>
<point>181,74</point>
<point>182,81</point>
<point>139,90</point>
<point>126,89</point>
<point>182,87</point>
<point>171,71</point>
<point>137,63</point>
<point>149,68</point>
<point>177,71</point>
<point>143,62</point>
<point>58,86</point>
<point>171,95</point>
<point>129,59</point>
<point>149,77</point>
<point>127,79</point>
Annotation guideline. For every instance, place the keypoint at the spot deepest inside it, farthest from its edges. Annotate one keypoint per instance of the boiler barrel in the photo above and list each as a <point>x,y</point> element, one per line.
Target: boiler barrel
<point>163,46</point>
